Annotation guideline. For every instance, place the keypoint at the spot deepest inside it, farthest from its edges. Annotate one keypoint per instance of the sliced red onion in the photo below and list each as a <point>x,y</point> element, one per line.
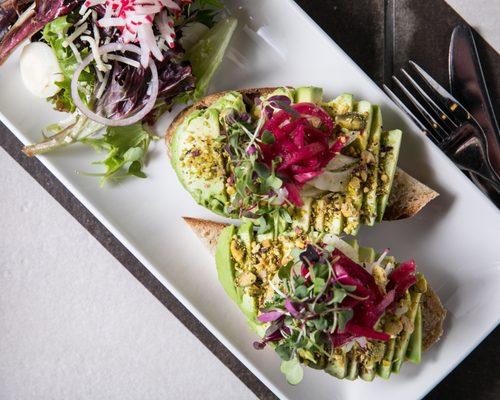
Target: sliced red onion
<point>153,89</point>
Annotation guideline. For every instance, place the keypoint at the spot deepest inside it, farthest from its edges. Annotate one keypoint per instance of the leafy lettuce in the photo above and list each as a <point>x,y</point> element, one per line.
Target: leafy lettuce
<point>55,33</point>
<point>126,149</point>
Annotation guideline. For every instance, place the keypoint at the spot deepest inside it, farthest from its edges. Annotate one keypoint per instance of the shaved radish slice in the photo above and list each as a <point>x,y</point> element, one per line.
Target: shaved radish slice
<point>115,122</point>
<point>135,20</point>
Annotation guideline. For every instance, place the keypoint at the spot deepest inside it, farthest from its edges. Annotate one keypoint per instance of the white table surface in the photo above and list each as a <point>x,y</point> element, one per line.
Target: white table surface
<point>75,324</point>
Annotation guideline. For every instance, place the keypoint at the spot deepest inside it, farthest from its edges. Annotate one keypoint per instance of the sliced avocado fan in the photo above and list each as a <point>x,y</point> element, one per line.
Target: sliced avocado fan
<point>237,246</point>
<point>363,177</point>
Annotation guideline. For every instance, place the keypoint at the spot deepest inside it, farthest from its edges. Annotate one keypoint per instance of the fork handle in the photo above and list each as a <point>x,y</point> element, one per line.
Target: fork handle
<point>468,152</point>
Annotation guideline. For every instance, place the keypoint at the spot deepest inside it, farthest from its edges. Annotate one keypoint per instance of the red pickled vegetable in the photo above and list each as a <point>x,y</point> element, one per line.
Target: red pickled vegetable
<point>363,331</point>
<point>368,303</point>
<point>402,278</point>
<point>293,193</point>
<point>304,143</point>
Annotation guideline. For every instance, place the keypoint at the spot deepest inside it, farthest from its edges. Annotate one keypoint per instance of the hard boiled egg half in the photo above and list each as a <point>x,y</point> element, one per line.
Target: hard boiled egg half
<point>40,70</point>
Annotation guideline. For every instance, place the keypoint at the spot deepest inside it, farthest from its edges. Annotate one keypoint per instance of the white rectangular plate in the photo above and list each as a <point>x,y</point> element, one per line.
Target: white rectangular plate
<point>455,240</point>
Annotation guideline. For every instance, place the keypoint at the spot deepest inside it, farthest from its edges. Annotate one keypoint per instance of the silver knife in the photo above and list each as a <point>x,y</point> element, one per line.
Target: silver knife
<point>469,87</point>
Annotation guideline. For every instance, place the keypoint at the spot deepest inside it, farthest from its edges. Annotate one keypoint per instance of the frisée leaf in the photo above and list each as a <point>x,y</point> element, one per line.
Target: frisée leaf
<point>126,149</point>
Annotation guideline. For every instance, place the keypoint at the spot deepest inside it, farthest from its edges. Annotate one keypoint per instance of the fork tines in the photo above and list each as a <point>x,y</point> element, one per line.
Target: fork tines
<point>440,112</point>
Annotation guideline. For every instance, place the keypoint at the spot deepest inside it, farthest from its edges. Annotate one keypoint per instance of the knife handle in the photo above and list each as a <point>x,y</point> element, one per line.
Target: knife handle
<point>486,187</point>
<point>493,150</point>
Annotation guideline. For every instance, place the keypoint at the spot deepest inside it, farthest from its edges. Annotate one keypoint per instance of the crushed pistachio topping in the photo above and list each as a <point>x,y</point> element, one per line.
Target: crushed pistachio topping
<point>201,158</point>
<point>257,265</point>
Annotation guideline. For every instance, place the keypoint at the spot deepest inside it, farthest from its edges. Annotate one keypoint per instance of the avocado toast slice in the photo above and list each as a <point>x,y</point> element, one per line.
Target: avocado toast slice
<point>285,157</point>
<point>325,303</point>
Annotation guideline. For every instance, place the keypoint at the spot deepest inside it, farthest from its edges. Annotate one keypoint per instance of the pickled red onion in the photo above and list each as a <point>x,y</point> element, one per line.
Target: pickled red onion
<point>305,142</point>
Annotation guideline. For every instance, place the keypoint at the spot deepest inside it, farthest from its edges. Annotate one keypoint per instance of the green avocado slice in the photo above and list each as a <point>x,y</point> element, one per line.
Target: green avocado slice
<point>197,159</point>
<point>389,153</point>
<point>327,214</point>
<point>352,365</point>
<point>207,54</point>
<point>282,91</point>
<point>414,352</point>
<point>404,337</point>
<point>338,366</point>
<point>361,142</point>
<point>337,220</point>
<point>355,245</point>
<point>224,264</point>
<point>303,216</point>
<point>354,194</point>
<point>226,275</point>
<point>249,307</point>
<point>245,233</point>
<point>309,94</point>
<point>366,255</point>
<point>384,368</point>
<point>340,105</point>
<point>367,372</point>
<point>318,214</point>
<point>369,209</point>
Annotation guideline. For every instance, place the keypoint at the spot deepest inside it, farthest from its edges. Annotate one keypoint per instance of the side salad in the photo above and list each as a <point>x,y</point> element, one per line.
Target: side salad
<point>115,66</point>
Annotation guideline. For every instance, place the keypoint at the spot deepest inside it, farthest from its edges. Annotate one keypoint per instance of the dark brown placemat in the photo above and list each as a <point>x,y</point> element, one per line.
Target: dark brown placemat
<point>375,34</point>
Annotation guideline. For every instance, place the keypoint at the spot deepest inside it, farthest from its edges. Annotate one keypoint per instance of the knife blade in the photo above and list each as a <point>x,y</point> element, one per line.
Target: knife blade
<point>468,85</point>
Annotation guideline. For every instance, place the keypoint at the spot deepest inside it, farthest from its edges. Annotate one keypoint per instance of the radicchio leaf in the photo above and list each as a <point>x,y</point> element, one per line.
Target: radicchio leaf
<point>127,91</point>
<point>45,11</point>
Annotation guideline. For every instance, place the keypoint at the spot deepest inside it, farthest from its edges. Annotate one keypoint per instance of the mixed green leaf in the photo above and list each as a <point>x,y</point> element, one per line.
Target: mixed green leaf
<point>56,35</point>
<point>126,149</point>
<point>258,192</point>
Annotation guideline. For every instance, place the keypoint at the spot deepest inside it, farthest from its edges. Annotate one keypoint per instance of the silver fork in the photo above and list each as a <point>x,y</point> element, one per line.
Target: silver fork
<point>447,123</point>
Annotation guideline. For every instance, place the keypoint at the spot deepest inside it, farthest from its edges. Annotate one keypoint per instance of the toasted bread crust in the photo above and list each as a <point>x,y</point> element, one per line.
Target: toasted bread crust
<point>207,231</point>
<point>408,196</point>
<point>207,102</point>
<point>433,312</point>
<point>433,315</point>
